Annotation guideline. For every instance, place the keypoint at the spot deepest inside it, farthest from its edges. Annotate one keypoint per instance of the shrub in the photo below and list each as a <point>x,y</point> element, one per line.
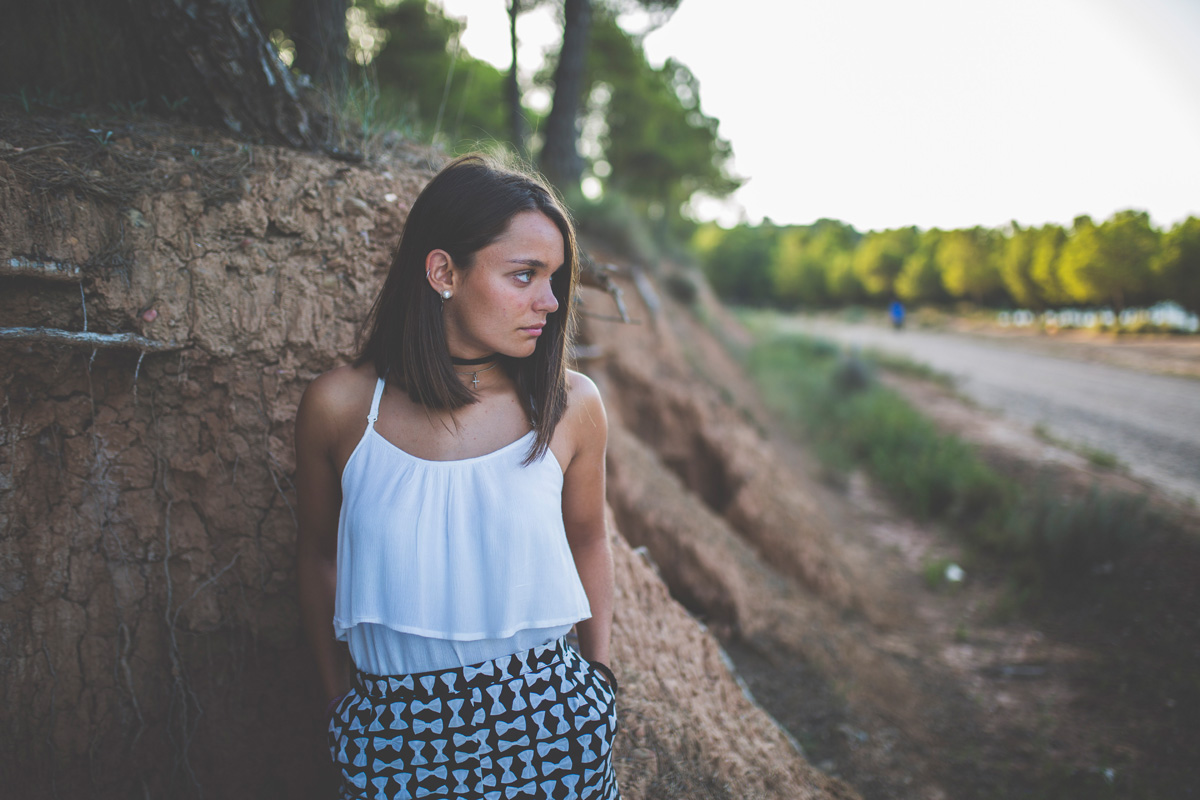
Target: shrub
<point>1072,538</point>
<point>682,287</point>
<point>853,421</point>
<point>611,220</point>
<point>853,374</point>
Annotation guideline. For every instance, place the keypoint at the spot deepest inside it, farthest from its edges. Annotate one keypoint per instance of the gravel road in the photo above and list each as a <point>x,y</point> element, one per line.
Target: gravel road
<point>1150,422</point>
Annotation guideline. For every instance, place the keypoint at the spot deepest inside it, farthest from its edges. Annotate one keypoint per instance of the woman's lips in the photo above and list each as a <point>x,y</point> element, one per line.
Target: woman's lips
<point>534,330</point>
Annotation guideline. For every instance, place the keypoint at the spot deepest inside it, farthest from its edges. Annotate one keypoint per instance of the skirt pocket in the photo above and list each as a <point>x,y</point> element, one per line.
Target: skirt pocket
<point>603,669</point>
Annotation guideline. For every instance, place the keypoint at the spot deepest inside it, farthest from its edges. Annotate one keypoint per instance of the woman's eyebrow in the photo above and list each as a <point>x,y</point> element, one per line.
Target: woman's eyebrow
<point>532,262</point>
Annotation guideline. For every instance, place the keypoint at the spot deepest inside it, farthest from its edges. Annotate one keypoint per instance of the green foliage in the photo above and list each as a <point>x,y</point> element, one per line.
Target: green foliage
<point>658,147</point>
<point>965,261</point>
<point>737,262</point>
<point>1016,267</point>
<point>842,281</point>
<point>880,256</point>
<point>653,146</point>
<point>1120,261</point>
<point>1068,538</point>
<point>854,422</point>
<point>902,365</point>
<point>929,474</point>
<point>1123,260</point>
<point>682,287</point>
<point>802,255</point>
<point>1111,262</point>
<point>1101,458</point>
<point>797,270</point>
<point>853,374</point>
<point>1130,244</point>
<point>423,75</point>
<point>1043,264</point>
<point>613,220</point>
<point>919,280</point>
<point>798,265</point>
<point>1177,268</point>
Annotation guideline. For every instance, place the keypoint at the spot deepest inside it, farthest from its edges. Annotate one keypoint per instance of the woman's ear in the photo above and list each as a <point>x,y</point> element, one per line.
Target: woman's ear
<point>439,270</point>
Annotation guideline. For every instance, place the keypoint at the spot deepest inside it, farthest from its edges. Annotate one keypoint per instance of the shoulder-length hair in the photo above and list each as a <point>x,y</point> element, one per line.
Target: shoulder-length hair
<point>466,207</point>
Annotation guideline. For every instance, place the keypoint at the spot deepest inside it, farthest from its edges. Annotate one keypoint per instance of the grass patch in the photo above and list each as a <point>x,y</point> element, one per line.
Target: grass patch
<point>1073,538</point>
<point>902,365</point>
<point>1101,459</point>
<point>855,422</point>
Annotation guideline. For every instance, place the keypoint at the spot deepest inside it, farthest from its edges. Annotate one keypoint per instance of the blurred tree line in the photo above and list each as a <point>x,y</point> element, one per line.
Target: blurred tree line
<point>332,74</point>
<point>1121,262</point>
<point>634,132</point>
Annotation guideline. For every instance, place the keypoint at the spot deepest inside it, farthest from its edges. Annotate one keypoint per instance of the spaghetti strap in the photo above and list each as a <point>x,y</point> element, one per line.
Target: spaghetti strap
<point>374,415</point>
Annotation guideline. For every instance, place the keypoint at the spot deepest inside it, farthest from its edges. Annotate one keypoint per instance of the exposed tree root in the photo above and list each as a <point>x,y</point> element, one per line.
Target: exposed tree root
<point>91,340</point>
<point>58,271</point>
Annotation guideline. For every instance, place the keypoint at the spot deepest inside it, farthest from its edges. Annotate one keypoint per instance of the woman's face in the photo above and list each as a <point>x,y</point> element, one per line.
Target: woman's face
<point>501,302</point>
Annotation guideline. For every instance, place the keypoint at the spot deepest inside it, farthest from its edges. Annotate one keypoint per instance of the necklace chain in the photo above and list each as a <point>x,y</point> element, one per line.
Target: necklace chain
<point>475,374</point>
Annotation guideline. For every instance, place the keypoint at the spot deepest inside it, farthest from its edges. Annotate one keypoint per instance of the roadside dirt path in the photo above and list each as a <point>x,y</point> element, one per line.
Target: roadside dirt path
<point>939,690</point>
<point>1150,422</point>
<point>952,690</point>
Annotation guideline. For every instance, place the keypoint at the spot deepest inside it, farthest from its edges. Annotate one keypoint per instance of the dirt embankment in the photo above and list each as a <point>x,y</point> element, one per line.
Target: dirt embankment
<point>149,637</point>
<point>745,540</point>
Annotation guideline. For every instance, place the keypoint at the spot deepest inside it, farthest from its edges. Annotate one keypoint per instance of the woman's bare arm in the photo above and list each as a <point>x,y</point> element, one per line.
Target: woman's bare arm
<point>583,514</point>
<point>318,491</point>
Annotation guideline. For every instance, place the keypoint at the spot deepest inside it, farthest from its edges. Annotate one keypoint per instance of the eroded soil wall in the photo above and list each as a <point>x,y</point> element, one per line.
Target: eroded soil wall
<point>149,631</point>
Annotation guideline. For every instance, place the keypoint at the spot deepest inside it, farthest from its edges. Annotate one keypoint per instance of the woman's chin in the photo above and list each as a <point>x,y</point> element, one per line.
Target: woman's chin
<point>523,350</point>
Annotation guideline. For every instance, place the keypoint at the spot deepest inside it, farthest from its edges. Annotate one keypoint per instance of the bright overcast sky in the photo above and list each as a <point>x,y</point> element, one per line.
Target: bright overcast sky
<point>947,113</point>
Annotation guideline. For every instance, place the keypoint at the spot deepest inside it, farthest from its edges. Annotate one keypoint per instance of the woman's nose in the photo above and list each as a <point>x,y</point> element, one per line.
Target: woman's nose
<point>546,302</point>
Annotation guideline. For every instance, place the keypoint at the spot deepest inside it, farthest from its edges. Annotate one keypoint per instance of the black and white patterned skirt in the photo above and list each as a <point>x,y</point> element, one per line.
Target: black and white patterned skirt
<point>537,724</point>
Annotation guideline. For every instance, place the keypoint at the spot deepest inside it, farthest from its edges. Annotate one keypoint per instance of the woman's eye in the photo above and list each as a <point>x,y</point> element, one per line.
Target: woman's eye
<point>526,276</point>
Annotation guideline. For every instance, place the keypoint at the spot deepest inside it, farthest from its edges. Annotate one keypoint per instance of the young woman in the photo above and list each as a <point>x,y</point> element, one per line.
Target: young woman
<point>451,491</point>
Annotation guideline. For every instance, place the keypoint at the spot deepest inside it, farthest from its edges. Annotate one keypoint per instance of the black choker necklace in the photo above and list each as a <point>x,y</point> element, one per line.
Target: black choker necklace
<point>470,362</point>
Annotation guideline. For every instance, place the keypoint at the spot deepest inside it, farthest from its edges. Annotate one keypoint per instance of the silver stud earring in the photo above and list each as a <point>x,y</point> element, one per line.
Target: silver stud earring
<point>446,294</point>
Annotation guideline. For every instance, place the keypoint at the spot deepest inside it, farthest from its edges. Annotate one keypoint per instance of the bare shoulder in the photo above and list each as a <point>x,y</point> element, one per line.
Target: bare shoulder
<point>337,396</point>
<point>581,386</point>
<point>585,409</point>
<point>582,392</point>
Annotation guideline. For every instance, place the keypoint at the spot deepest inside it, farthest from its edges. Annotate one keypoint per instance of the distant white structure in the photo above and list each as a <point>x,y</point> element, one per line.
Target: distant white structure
<point>1166,315</point>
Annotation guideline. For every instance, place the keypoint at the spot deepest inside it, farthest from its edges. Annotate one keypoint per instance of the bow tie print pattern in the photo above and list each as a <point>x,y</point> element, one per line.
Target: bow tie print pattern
<point>420,727</point>
<point>536,724</point>
<point>503,727</point>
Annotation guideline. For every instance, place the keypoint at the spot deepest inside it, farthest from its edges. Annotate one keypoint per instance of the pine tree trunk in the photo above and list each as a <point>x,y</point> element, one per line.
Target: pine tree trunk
<point>319,31</point>
<point>518,129</point>
<point>560,156</point>
<point>214,53</point>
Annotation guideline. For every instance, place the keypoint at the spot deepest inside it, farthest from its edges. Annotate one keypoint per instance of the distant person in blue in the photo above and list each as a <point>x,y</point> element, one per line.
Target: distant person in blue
<point>896,312</point>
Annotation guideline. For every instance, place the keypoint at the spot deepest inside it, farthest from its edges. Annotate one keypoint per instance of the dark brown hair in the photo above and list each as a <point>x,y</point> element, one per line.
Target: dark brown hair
<point>466,207</point>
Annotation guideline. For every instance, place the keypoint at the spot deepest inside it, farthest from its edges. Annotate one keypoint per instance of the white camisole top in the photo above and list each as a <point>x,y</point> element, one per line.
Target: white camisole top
<point>447,563</point>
